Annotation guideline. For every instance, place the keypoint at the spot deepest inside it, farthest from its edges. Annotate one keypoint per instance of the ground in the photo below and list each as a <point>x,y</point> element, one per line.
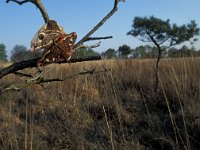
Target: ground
<point>112,110</point>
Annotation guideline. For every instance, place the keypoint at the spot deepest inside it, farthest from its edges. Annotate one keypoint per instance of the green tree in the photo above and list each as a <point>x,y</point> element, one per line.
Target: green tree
<point>124,51</point>
<point>163,34</point>
<point>173,52</point>
<point>85,52</point>
<point>139,52</point>
<point>198,52</point>
<point>109,54</point>
<point>3,56</point>
<point>145,51</point>
<point>184,51</point>
<point>153,52</point>
<point>20,52</point>
<point>194,51</point>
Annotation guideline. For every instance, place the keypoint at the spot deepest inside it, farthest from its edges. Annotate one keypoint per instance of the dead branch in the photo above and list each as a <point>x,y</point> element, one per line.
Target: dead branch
<point>74,75</point>
<point>15,67</point>
<point>85,38</point>
<point>90,46</point>
<point>39,80</point>
<point>99,38</point>
<point>22,74</point>
<point>37,3</point>
<point>33,63</point>
<point>19,86</point>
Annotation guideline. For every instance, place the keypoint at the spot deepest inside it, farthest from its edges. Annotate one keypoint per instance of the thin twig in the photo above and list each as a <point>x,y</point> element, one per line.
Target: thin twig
<point>20,2</point>
<point>22,74</point>
<point>74,75</point>
<point>19,86</point>
<point>14,60</point>
<point>85,38</point>
<point>39,80</point>
<point>99,38</point>
<point>90,46</point>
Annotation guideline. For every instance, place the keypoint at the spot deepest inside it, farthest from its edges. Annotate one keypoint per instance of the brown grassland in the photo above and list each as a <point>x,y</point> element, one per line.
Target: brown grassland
<point>112,110</point>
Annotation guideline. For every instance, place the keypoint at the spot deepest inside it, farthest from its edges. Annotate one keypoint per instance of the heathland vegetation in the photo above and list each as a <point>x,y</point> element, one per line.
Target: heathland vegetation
<point>118,109</point>
<point>147,97</point>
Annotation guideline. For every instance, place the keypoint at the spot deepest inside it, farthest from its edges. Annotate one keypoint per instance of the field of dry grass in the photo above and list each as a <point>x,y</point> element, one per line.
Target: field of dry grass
<point>116,110</point>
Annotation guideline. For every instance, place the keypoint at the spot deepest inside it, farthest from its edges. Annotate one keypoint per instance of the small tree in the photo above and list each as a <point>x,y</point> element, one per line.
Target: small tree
<point>142,51</point>
<point>20,52</point>
<point>3,56</point>
<point>124,51</point>
<point>153,52</point>
<point>109,54</point>
<point>85,52</point>
<point>162,34</point>
<point>198,52</point>
<point>173,52</point>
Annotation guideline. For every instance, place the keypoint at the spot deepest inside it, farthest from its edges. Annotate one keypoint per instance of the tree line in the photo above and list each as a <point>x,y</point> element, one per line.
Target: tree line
<point>20,52</point>
<point>147,51</point>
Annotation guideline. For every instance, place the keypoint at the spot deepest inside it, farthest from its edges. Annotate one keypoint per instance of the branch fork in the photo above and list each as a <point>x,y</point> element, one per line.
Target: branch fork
<point>16,67</point>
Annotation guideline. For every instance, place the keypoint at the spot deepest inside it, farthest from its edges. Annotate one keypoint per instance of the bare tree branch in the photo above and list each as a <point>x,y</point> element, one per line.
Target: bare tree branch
<point>15,67</point>
<point>90,46</point>
<point>99,38</point>
<point>20,2</point>
<point>33,63</point>
<point>37,3</point>
<point>19,86</point>
<point>23,74</point>
<point>74,75</point>
<point>94,45</point>
<point>85,38</point>
<point>39,80</point>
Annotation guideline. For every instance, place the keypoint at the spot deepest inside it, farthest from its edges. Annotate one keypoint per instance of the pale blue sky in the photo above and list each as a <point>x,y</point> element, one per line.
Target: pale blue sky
<point>19,23</point>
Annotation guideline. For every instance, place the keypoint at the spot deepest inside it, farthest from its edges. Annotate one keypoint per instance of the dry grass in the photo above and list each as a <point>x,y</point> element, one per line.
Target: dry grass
<point>113,110</point>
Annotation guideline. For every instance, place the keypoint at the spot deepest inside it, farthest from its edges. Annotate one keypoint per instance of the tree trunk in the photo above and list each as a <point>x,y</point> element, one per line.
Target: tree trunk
<point>156,84</point>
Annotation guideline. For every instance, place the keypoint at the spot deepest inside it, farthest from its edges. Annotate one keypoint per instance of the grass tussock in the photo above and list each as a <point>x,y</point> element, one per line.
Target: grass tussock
<point>113,110</point>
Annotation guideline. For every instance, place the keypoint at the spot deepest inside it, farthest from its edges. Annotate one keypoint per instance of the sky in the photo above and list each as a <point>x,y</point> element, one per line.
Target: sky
<point>18,24</point>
